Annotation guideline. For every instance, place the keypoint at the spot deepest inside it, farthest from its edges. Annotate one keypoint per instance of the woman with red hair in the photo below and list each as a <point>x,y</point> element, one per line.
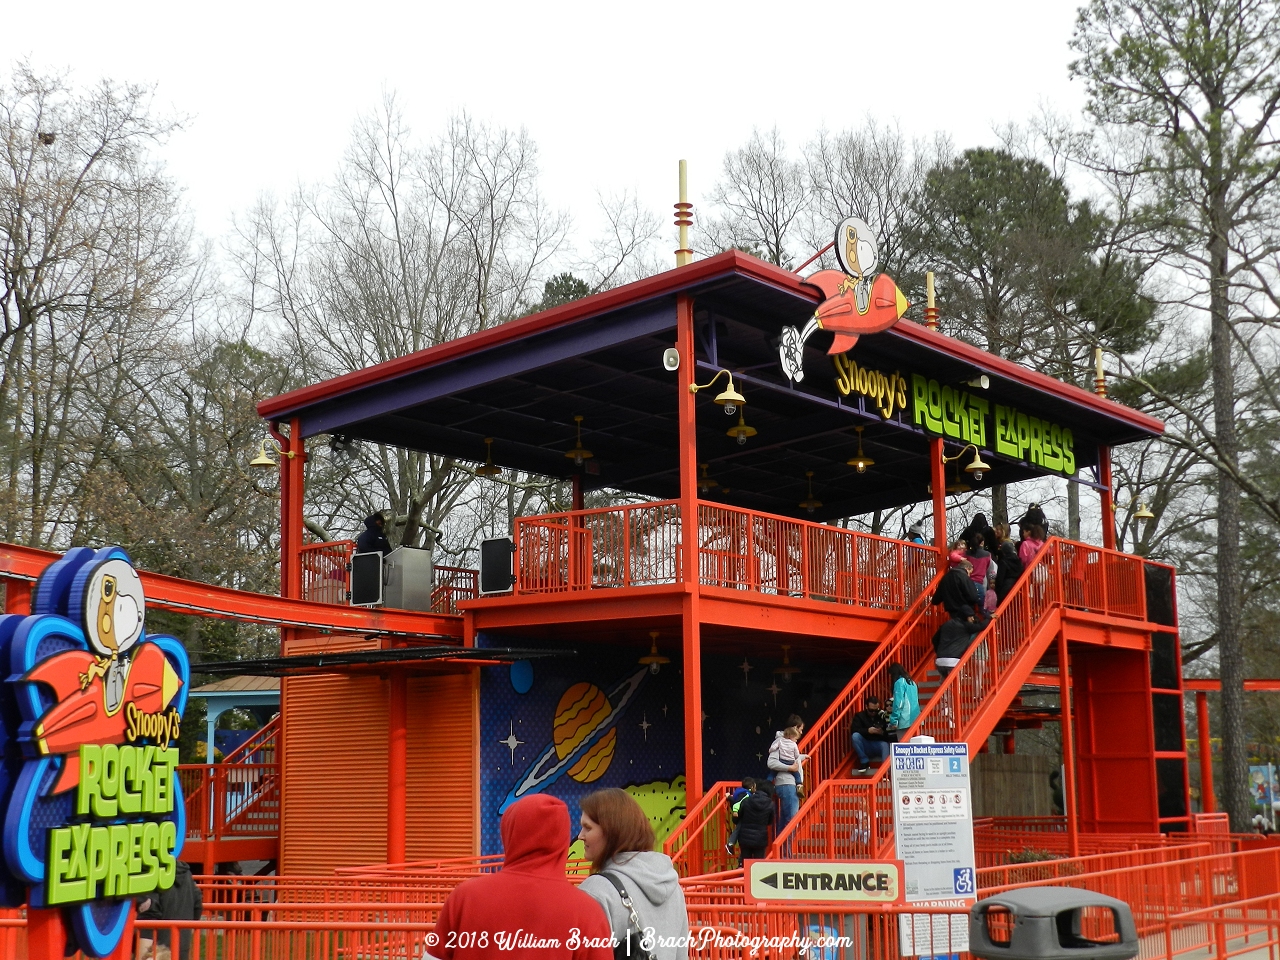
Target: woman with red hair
<point>625,869</point>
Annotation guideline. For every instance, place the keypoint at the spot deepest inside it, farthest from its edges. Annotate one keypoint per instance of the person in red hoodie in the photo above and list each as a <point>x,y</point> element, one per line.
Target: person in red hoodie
<point>529,909</point>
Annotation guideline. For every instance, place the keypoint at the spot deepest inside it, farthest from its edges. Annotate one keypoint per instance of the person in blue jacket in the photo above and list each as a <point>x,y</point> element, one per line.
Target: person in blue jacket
<point>904,708</point>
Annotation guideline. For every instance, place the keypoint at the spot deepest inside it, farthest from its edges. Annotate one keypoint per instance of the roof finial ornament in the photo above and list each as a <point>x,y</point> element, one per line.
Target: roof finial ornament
<point>684,218</point>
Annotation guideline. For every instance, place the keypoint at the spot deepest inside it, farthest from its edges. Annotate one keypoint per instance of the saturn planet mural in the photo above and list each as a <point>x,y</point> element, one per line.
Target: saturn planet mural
<point>583,736</point>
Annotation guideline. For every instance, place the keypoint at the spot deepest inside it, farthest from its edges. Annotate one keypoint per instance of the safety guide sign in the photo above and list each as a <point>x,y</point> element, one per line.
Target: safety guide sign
<point>933,834</point>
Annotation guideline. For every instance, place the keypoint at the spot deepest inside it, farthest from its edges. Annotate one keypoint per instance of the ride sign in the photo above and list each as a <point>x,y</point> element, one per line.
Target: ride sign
<point>93,809</point>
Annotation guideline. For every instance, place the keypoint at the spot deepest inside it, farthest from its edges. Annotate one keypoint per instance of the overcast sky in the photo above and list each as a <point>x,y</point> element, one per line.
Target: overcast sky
<point>613,94</point>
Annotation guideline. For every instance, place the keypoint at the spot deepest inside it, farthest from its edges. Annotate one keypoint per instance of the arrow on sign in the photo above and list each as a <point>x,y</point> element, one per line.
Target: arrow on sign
<point>771,880</point>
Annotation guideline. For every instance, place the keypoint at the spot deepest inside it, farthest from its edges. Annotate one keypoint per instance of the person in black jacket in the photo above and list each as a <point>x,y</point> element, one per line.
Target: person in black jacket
<point>1008,569</point>
<point>951,640</point>
<point>373,538</point>
<point>870,743</point>
<point>980,525</point>
<point>754,817</point>
<point>182,901</point>
<point>956,591</point>
<point>1034,515</point>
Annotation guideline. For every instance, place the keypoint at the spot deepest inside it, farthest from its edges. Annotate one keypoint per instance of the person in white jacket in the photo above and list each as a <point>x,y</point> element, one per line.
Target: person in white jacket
<point>786,761</point>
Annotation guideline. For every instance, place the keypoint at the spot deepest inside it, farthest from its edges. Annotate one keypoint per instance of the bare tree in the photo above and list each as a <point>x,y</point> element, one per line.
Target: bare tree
<point>759,199</point>
<point>409,247</point>
<point>872,172</point>
<point>94,260</point>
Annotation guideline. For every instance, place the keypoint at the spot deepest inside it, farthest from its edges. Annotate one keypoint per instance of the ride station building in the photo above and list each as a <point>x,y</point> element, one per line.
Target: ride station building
<point>734,410</point>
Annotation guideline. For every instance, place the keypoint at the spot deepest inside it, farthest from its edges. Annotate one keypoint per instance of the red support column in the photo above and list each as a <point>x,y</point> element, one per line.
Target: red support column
<point>692,628</point>
<point>1108,498</point>
<point>297,464</point>
<point>577,491</point>
<point>938,483</point>
<point>17,596</point>
<point>1010,744</point>
<point>1208,803</point>
<point>1068,749</point>
<point>46,938</point>
<point>397,766</point>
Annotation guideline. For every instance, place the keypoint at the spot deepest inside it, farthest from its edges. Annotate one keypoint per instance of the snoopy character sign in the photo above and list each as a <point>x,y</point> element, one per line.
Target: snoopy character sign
<point>856,302</point>
<point>93,809</point>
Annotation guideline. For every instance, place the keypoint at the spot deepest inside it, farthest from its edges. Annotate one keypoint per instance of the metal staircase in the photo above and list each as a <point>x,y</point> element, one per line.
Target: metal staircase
<point>697,845</point>
<point>233,807</point>
<point>846,818</point>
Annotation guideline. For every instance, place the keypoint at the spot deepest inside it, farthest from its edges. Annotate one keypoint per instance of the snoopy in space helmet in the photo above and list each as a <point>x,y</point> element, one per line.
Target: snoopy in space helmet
<point>113,614</point>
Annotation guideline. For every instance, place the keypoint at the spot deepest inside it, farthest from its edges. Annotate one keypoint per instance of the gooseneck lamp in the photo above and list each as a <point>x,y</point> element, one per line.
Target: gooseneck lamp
<point>729,398</point>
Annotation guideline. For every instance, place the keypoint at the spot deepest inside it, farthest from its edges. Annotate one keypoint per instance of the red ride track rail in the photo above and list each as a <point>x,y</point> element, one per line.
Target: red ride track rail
<point>224,603</point>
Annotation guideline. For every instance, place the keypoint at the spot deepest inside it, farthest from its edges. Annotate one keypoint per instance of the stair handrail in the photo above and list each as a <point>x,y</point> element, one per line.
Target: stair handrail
<point>877,786</point>
<point>258,740</point>
<point>678,843</point>
<point>1037,593</point>
<point>826,742</point>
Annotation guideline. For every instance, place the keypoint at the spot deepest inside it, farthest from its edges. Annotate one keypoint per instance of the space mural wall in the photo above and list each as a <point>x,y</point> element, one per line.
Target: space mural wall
<point>570,726</point>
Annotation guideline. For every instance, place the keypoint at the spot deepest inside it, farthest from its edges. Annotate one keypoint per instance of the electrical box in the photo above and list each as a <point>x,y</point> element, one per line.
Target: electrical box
<point>408,580</point>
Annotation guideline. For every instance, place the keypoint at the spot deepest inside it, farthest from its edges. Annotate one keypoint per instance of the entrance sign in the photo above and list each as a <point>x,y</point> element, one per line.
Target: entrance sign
<point>93,810</point>
<point>933,836</point>
<point>822,881</point>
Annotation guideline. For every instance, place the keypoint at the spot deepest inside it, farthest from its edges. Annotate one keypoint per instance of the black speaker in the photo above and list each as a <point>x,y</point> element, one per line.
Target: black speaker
<point>495,565</point>
<point>366,580</point>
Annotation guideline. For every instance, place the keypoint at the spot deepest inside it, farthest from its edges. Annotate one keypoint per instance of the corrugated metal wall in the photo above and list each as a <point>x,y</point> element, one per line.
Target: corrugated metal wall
<point>443,758</point>
<point>335,771</point>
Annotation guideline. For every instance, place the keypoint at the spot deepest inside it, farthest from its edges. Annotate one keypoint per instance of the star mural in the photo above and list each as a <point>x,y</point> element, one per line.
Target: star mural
<point>511,742</point>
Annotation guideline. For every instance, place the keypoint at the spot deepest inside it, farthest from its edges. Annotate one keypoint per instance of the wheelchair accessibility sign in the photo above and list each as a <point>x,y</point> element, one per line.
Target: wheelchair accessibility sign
<point>965,885</point>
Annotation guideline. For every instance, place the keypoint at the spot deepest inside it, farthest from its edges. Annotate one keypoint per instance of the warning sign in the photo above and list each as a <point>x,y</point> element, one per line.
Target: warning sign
<point>933,820</point>
<point>837,881</point>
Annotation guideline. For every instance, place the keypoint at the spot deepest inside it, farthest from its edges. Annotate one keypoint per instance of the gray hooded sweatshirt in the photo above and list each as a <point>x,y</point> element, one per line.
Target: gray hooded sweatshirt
<point>654,887</point>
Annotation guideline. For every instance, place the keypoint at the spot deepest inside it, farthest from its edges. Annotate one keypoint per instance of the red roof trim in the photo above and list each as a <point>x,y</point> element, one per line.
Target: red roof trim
<point>665,284</point>
<point>672,281</point>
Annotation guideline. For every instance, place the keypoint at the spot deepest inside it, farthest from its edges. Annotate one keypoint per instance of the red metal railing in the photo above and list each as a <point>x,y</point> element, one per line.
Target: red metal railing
<point>630,546</point>
<point>1242,928</point>
<point>639,545</point>
<point>1182,900</point>
<point>745,550</point>
<point>326,574</point>
<point>326,577</point>
<point>225,801</point>
<point>453,584</point>
<point>827,741</point>
<point>260,747</point>
<point>696,846</point>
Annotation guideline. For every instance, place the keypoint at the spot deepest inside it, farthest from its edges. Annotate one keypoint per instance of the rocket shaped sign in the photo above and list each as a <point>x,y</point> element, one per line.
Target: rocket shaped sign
<point>855,304</point>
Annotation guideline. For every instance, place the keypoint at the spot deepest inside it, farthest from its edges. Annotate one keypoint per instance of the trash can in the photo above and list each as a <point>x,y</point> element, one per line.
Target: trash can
<point>1052,922</point>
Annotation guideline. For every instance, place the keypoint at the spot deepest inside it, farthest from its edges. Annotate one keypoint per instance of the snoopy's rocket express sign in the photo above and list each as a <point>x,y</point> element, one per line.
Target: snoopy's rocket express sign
<point>93,810</point>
